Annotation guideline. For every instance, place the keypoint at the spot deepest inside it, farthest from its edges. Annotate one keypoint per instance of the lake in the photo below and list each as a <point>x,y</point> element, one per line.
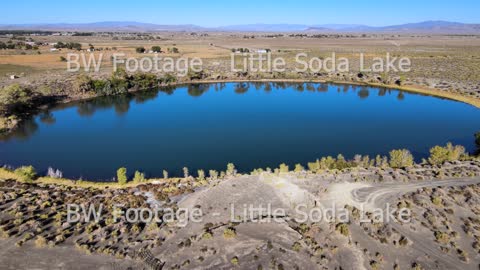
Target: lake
<point>253,125</point>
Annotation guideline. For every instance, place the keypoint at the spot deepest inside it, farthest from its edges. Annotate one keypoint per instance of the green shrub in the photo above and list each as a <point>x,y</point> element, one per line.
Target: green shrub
<point>144,80</point>
<point>156,49</point>
<point>439,154</point>
<point>229,233</point>
<point>299,168</point>
<point>27,173</point>
<point>296,246</point>
<point>437,200</point>
<point>82,84</point>
<point>230,169</point>
<point>138,177</point>
<point>442,237</point>
<point>342,228</point>
<point>234,260</point>
<point>283,168</point>
<point>122,175</point>
<point>401,158</point>
<point>140,49</point>
<point>40,241</point>
<point>15,99</point>
<point>201,175</point>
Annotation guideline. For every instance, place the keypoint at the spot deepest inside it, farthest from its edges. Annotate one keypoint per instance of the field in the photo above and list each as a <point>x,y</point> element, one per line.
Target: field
<point>442,193</point>
<point>442,61</point>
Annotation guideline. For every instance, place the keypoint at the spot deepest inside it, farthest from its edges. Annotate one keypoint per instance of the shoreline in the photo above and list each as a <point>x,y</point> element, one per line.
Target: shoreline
<point>417,89</point>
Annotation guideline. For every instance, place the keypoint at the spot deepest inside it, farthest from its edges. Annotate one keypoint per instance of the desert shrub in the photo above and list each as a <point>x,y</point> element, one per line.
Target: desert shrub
<point>342,228</point>
<point>374,265</point>
<point>234,260</point>
<point>299,168</point>
<point>442,237</point>
<point>213,174</point>
<point>156,49</point>
<point>437,200</point>
<point>283,168</point>
<point>138,177</point>
<point>26,173</point>
<point>140,49</point>
<point>401,158</point>
<point>296,246</point>
<point>381,162</point>
<point>122,175</point>
<point>229,233</point>
<point>15,99</point>
<point>439,154</point>
<point>40,241</point>
<point>207,235</point>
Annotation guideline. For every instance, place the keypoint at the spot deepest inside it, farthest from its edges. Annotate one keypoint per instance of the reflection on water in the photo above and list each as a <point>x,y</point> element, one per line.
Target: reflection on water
<point>253,124</point>
<point>121,103</point>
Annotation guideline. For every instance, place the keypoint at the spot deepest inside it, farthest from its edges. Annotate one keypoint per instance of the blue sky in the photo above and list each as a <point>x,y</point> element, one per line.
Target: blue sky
<point>220,13</point>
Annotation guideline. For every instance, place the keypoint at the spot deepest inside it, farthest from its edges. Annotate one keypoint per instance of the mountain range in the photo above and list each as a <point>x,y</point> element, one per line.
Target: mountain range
<point>430,27</point>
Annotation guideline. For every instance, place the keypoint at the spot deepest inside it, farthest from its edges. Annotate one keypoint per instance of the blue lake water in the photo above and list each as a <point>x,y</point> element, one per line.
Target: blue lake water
<point>253,125</point>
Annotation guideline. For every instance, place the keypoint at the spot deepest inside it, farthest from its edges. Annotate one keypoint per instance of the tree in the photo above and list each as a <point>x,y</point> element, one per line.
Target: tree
<point>140,49</point>
<point>283,168</point>
<point>138,177</point>
<point>156,49</point>
<point>26,173</point>
<point>122,176</point>
<point>299,168</point>
<point>201,175</point>
<point>230,169</point>
<point>15,98</point>
<point>401,158</point>
<point>213,174</point>
<point>439,154</point>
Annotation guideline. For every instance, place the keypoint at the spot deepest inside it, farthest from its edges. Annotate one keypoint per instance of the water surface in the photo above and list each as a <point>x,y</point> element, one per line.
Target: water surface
<point>252,125</point>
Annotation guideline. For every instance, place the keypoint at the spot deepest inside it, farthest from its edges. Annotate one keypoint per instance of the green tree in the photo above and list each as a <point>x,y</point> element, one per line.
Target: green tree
<point>15,98</point>
<point>122,176</point>
<point>401,158</point>
<point>439,154</point>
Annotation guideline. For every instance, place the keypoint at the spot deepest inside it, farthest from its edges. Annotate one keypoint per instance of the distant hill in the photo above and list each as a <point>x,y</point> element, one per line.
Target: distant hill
<point>427,27</point>
<point>104,27</point>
